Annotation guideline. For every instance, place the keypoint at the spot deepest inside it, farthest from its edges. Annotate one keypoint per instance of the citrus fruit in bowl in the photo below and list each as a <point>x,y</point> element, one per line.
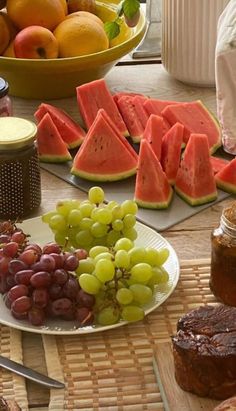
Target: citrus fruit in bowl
<point>53,78</point>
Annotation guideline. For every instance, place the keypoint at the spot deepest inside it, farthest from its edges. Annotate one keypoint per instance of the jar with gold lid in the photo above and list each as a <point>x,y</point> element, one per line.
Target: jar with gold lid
<point>223,257</point>
<point>20,185</point>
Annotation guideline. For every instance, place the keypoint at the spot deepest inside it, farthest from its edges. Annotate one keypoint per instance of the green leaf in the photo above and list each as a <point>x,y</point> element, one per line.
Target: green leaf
<point>112,29</point>
<point>130,8</point>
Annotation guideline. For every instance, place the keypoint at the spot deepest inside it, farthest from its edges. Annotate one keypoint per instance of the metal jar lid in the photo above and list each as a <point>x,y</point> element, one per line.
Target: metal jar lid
<point>4,87</point>
<point>16,133</point>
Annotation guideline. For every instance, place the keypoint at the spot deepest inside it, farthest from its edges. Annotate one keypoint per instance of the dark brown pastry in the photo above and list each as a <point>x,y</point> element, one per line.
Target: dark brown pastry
<point>204,351</point>
<point>8,405</point>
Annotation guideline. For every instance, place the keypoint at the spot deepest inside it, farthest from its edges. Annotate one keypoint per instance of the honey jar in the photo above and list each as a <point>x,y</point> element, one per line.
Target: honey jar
<point>20,185</point>
<point>223,257</point>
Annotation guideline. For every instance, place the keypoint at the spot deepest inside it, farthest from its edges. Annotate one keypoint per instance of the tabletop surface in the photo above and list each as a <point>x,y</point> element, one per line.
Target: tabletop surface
<point>190,238</point>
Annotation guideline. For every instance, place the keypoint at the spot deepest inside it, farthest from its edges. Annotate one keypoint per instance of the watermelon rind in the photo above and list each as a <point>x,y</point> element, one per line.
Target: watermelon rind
<point>155,206</point>
<point>103,177</point>
<point>54,159</point>
<point>196,201</point>
<point>226,178</point>
<point>229,188</point>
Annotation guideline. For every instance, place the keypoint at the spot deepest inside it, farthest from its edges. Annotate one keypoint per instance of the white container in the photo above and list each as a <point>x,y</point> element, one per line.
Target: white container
<point>189,30</point>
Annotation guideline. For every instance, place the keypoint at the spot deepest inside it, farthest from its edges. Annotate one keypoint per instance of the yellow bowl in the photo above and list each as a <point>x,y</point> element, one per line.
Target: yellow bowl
<point>58,78</point>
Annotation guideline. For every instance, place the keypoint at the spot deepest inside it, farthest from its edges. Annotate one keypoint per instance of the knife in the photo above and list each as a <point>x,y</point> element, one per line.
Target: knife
<point>160,385</point>
<point>29,373</point>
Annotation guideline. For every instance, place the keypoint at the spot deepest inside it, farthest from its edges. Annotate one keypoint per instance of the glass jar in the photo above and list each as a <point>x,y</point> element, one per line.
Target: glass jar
<point>5,101</point>
<point>223,258</point>
<point>20,186</point>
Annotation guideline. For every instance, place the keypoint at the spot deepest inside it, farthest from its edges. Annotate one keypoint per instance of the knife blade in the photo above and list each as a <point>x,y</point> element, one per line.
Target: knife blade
<point>29,373</point>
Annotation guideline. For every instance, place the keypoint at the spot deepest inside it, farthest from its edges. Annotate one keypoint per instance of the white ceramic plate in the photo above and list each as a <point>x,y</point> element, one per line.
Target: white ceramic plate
<point>41,234</point>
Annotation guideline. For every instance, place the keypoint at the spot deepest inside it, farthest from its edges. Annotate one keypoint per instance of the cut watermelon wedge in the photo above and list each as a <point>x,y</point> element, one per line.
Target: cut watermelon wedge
<point>103,156</point>
<point>95,95</point>
<point>126,107</point>
<point>69,130</point>
<point>138,102</point>
<point>116,96</point>
<point>195,181</point>
<point>153,133</point>
<point>51,147</point>
<point>171,151</point>
<point>226,178</point>
<point>218,163</point>
<point>152,189</point>
<point>155,106</point>
<point>196,119</point>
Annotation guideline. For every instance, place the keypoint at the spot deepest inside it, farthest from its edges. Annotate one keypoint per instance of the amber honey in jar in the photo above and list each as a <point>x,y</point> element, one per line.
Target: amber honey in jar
<point>20,186</point>
<point>223,257</point>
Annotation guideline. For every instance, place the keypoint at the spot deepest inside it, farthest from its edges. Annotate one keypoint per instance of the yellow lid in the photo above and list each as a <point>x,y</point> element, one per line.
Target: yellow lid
<point>16,132</point>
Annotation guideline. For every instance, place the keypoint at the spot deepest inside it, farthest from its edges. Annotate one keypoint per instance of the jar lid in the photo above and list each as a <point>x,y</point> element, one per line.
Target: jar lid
<point>16,132</point>
<point>4,87</point>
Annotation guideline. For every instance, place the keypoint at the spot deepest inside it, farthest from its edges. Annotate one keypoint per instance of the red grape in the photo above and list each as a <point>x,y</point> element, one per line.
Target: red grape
<point>4,263</point>
<point>59,260</point>
<point>40,279</point>
<point>55,291</point>
<point>71,262</point>
<point>61,306</point>
<point>29,257</point>
<point>24,276</point>
<point>21,304</point>
<point>40,297</point>
<point>16,265</point>
<point>51,248</point>
<point>84,299</point>
<point>10,249</point>
<point>35,247</point>
<point>19,316</point>
<point>36,316</point>
<point>81,254</point>
<point>60,276</point>
<point>17,291</point>
<point>84,316</point>
<point>71,288</point>
<point>19,237</point>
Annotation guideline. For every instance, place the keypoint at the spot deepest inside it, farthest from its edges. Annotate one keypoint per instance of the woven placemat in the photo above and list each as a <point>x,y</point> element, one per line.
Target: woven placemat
<point>112,370</point>
<point>12,386</point>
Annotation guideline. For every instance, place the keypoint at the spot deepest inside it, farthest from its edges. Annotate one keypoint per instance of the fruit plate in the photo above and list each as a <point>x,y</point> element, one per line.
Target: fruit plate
<point>147,237</point>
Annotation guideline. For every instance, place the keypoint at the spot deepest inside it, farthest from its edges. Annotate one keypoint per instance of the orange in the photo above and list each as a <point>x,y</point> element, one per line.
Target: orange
<point>80,36</point>
<point>5,36</point>
<point>45,13</point>
<point>85,14</point>
<point>10,52</point>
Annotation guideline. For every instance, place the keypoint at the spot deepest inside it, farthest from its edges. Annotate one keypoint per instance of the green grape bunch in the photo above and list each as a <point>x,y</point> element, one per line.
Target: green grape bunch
<point>122,279</point>
<point>91,222</point>
<point>130,10</point>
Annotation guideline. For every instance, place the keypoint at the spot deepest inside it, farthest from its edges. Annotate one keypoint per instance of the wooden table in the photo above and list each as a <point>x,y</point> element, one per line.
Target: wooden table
<point>191,238</point>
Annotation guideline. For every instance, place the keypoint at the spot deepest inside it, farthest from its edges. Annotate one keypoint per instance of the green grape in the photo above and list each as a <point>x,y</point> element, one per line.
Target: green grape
<point>47,216</point>
<point>137,255</point>
<point>104,270</point>
<point>94,251</point>
<point>141,272</point>
<point>89,283</point>
<point>123,244</point>
<point>122,259</point>
<point>105,255</point>
<point>94,214</point>
<point>96,195</point>
<point>132,313</point>
<point>130,233</point>
<point>112,204</point>
<point>159,276</point>
<point>104,215</point>
<point>117,212</point>
<point>86,223</point>
<point>129,207</point>
<point>74,204</point>
<point>112,238</point>
<point>129,221</point>
<point>124,296</point>
<point>108,316</point>
<point>99,241</point>
<point>117,225</point>
<point>98,230</point>
<point>71,233</point>
<point>85,266</point>
<point>152,256</point>
<point>86,208</point>
<point>84,238</point>
<point>163,256</point>
<point>141,293</point>
<point>74,218</point>
<point>60,237</point>
<point>57,222</point>
<point>63,207</point>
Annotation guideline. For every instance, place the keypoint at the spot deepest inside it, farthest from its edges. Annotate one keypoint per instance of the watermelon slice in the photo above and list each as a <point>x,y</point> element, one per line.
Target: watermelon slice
<point>226,178</point>
<point>119,94</point>
<point>103,155</point>
<point>153,133</point>
<point>95,95</point>
<point>155,106</point>
<point>218,163</point>
<point>126,107</point>
<point>196,119</point>
<point>138,102</point>
<point>51,147</point>
<point>152,189</point>
<point>171,151</point>
<point>195,181</point>
<point>70,131</point>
